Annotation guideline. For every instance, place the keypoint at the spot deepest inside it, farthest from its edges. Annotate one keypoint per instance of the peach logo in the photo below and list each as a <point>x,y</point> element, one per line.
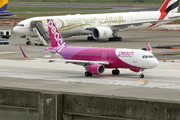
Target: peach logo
<point>55,33</point>
<point>125,53</point>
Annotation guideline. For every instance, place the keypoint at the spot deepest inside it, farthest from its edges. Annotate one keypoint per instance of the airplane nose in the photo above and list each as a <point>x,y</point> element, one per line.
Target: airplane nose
<point>155,63</point>
<point>15,29</point>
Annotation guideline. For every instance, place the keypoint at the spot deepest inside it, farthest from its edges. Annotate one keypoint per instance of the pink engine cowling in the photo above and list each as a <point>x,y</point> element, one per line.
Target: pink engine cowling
<point>96,69</point>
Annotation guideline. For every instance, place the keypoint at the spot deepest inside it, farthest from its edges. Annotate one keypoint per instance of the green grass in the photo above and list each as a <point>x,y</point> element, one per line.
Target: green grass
<point>33,11</point>
<point>29,15</point>
<point>45,9</point>
<point>91,1</point>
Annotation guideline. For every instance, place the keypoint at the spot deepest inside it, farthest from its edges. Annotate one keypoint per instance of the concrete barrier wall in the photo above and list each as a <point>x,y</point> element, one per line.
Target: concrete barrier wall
<point>121,107</point>
<point>19,98</point>
<point>52,106</point>
<point>12,113</point>
<point>47,106</point>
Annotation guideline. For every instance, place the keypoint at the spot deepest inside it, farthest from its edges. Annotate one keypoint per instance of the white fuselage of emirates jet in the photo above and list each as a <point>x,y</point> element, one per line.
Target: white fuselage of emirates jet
<point>101,26</point>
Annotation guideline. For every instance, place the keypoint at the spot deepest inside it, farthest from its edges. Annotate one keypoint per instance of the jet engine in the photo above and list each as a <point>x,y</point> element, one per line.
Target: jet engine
<point>102,32</point>
<point>96,69</point>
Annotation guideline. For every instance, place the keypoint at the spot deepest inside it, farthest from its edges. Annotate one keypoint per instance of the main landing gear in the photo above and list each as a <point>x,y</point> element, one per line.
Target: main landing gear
<point>88,74</point>
<point>28,42</point>
<point>115,72</point>
<point>116,38</point>
<point>90,38</point>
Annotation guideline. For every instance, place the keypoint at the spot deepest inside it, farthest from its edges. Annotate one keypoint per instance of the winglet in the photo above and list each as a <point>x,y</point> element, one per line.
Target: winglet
<point>23,53</point>
<point>148,46</point>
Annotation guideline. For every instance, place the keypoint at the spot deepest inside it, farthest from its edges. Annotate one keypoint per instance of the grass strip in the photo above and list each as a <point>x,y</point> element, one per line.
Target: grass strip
<point>38,9</point>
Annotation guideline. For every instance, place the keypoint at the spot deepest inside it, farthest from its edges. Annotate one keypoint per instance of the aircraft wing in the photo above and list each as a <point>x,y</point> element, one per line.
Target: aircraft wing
<point>65,60</point>
<point>126,24</point>
<point>174,16</point>
<point>78,61</point>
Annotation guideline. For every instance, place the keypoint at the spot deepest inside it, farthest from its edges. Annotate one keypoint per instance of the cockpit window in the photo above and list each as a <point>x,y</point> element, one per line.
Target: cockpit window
<point>147,56</point>
<point>22,25</point>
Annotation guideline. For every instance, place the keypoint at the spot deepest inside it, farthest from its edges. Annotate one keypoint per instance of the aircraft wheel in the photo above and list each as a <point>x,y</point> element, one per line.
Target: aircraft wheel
<point>87,74</point>
<point>90,38</point>
<point>90,74</point>
<point>110,39</point>
<point>141,76</point>
<point>119,38</point>
<point>28,43</point>
<point>116,39</point>
<point>115,72</point>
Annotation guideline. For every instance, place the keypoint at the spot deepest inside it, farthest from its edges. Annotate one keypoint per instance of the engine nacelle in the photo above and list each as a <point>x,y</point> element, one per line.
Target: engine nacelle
<point>102,32</point>
<point>135,70</point>
<point>96,69</point>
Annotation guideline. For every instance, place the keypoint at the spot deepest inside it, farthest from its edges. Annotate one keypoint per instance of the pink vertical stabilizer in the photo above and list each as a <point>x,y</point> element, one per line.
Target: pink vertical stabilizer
<point>55,35</point>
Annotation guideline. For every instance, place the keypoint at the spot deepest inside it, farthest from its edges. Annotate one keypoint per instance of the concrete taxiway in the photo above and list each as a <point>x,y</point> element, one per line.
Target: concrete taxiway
<point>164,77</point>
<point>161,83</point>
<point>19,75</point>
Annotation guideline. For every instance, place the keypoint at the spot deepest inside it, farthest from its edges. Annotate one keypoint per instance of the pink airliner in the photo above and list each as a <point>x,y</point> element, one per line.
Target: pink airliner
<point>95,60</point>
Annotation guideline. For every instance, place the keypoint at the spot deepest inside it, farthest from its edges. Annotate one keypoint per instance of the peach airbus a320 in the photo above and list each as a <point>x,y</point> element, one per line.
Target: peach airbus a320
<point>95,60</point>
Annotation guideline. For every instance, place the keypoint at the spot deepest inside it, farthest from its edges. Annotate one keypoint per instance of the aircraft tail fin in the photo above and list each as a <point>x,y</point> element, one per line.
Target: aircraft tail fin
<point>3,5</point>
<point>148,46</point>
<point>169,6</point>
<point>56,39</point>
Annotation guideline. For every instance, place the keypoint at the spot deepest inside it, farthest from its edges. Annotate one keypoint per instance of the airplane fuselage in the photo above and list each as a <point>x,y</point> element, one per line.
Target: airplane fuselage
<point>70,25</point>
<point>117,58</point>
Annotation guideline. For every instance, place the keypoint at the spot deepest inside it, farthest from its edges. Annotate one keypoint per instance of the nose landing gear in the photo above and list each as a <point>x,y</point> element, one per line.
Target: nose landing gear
<point>28,42</point>
<point>141,75</point>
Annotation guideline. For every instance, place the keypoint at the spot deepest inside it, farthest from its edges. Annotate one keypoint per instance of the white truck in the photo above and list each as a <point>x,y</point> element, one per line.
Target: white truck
<point>5,33</point>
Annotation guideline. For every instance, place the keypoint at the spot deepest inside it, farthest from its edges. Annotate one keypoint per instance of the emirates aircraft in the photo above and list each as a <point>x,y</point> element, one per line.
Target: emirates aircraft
<point>107,25</point>
<point>95,60</point>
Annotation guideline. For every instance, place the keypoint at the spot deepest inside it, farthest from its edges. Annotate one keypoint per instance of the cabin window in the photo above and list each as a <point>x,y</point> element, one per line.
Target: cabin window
<point>22,25</point>
<point>147,56</point>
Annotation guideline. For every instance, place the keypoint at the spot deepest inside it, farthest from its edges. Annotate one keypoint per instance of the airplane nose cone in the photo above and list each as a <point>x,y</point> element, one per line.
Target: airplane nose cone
<point>155,63</point>
<point>15,29</point>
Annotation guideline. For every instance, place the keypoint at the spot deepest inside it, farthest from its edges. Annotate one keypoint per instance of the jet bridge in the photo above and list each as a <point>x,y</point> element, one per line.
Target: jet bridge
<point>42,33</point>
